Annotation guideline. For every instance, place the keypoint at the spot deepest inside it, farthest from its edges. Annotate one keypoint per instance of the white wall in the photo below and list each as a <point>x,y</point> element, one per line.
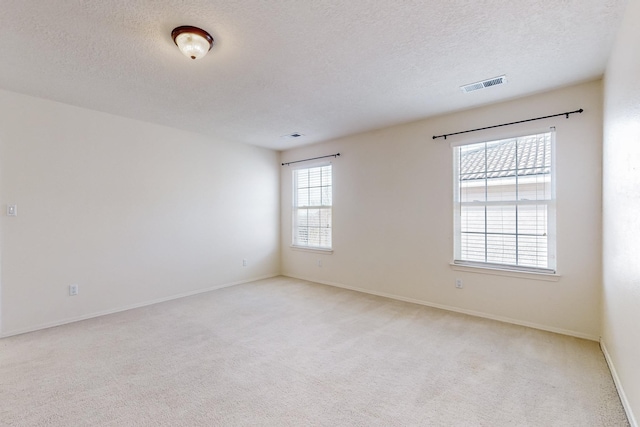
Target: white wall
<point>131,212</point>
<point>393,215</point>
<point>621,220</point>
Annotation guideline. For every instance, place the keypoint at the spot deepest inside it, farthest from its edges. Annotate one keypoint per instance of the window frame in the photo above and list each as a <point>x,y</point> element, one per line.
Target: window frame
<point>550,203</point>
<point>295,208</point>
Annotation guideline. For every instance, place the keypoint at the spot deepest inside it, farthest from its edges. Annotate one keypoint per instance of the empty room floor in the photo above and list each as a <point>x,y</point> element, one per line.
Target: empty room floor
<point>286,352</point>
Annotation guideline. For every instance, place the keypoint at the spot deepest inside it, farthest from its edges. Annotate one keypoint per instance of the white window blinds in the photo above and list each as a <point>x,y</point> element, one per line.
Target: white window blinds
<point>312,207</point>
<point>505,203</point>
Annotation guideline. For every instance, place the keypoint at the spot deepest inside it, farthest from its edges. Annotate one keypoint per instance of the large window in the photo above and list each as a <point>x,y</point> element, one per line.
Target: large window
<point>312,205</point>
<point>504,203</point>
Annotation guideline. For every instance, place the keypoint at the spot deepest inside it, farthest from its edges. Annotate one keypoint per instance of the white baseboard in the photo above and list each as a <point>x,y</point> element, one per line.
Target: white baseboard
<point>456,309</point>
<point>616,381</point>
<point>129,307</point>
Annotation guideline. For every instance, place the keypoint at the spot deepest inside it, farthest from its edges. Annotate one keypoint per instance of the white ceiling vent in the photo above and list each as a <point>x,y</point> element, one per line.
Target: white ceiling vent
<point>494,81</point>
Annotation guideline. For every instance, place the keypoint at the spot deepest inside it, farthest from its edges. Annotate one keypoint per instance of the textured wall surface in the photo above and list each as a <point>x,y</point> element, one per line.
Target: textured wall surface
<point>129,211</point>
<point>393,215</point>
<point>621,200</point>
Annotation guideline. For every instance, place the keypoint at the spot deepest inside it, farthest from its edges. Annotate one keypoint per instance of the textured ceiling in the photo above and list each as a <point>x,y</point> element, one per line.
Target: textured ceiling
<point>324,68</point>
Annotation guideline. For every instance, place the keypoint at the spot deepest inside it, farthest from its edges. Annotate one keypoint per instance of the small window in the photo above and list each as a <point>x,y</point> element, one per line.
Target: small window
<point>312,206</point>
<point>504,203</point>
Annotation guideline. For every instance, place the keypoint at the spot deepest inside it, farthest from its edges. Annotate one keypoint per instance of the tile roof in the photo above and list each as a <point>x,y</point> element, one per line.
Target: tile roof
<point>530,155</point>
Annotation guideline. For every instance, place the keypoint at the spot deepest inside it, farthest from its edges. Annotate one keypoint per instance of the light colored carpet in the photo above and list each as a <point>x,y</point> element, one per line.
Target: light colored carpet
<point>283,352</point>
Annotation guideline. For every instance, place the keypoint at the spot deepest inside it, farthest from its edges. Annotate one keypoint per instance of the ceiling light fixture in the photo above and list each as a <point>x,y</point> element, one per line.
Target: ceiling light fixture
<point>194,42</point>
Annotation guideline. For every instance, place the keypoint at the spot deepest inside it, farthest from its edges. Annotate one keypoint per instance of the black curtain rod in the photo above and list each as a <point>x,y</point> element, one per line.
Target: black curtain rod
<point>507,124</point>
<point>314,158</point>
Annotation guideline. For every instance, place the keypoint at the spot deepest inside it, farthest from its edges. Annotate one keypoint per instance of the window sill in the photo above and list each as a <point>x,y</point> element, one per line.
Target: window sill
<point>547,277</point>
<point>307,249</point>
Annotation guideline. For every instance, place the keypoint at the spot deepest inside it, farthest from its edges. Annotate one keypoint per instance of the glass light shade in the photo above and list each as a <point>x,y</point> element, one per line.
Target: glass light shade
<point>194,42</point>
<point>193,45</point>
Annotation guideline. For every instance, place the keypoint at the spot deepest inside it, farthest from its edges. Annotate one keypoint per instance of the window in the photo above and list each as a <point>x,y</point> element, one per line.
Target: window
<point>312,205</point>
<point>504,203</point>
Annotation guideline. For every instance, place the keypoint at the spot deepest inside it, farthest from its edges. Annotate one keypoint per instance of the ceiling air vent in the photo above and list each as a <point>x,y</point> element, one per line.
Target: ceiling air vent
<point>293,135</point>
<point>484,84</point>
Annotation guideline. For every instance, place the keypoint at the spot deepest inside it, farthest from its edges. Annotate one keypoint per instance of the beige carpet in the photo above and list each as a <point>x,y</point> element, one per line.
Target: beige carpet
<point>283,352</point>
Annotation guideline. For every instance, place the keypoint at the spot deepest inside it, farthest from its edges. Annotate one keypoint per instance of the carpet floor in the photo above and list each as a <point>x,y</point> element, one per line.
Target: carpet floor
<point>285,352</point>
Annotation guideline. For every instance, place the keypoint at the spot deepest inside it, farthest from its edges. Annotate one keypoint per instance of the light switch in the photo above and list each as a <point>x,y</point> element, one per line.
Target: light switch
<point>12,210</point>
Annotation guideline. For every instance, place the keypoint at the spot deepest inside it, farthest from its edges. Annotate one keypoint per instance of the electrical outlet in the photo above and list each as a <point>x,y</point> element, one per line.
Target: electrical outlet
<point>459,284</point>
<point>244,262</point>
<point>73,290</point>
